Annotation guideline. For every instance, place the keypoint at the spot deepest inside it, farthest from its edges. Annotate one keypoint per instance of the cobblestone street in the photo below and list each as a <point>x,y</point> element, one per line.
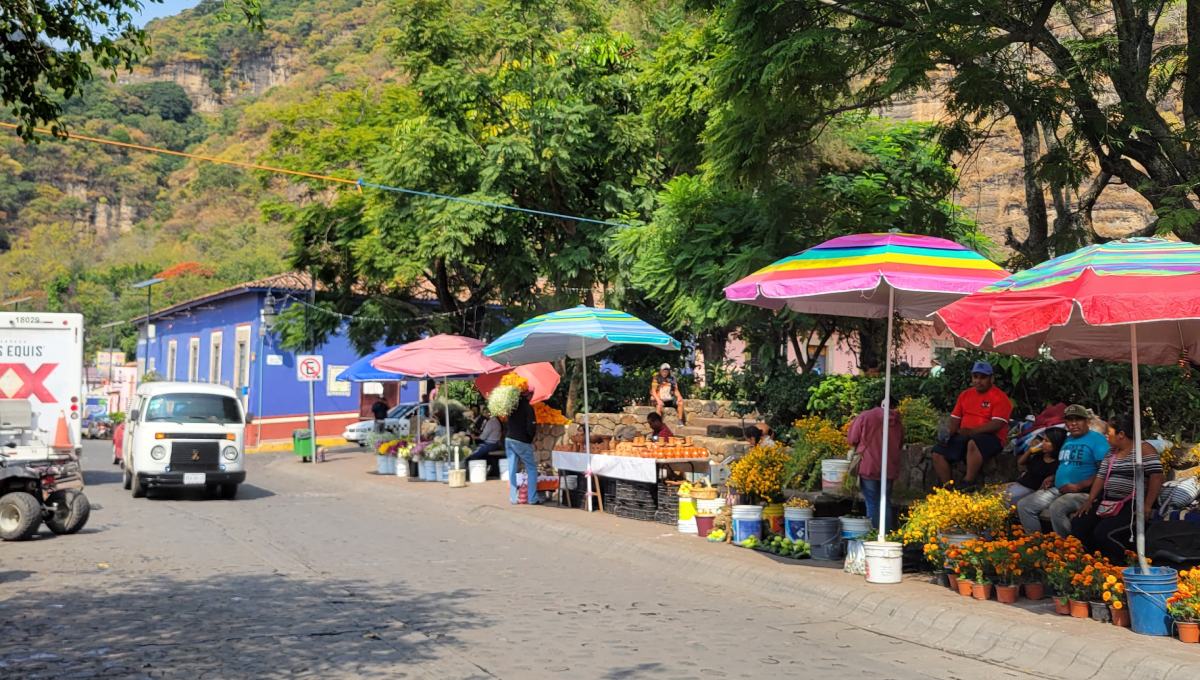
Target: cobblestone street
<point>300,578</point>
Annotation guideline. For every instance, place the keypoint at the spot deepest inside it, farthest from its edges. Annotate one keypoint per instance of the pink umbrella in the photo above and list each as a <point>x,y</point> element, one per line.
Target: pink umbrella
<point>542,378</point>
<point>439,356</point>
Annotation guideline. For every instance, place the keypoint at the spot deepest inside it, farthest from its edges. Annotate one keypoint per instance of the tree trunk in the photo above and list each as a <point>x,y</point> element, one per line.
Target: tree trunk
<point>1035,248</point>
<point>1191,76</point>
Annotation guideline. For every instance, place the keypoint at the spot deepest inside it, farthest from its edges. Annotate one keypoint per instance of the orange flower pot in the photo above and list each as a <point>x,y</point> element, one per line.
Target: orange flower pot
<point>1035,591</point>
<point>1120,617</point>
<point>1080,609</point>
<point>1061,607</point>
<point>953,580</point>
<point>981,591</point>
<point>1007,594</point>
<point>1189,631</point>
<point>964,587</point>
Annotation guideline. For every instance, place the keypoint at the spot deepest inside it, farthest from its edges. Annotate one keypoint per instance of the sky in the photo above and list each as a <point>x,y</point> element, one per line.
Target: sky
<point>154,10</point>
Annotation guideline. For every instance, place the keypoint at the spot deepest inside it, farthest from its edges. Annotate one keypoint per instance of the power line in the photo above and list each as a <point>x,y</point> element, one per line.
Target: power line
<point>358,183</point>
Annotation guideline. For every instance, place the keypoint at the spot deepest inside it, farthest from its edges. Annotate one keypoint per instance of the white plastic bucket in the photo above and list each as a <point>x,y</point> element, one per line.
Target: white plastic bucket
<point>795,522</point>
<point>855,527</point>
<point>504,469</point>
<point>747,512</point>
<point>885,561</point>
<point>687,526</point>
<point>705,506</point>
<point>478,471</point>
<point>833,473</point>
<point>401,467</point>
<point>443,471</point>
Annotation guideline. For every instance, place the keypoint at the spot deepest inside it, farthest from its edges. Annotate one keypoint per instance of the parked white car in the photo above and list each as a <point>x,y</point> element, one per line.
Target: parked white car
<point>398,422</point>
<point>185,435</point>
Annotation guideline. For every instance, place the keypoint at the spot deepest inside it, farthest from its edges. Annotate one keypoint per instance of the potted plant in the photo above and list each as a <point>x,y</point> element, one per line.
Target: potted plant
<point>1085,587</point>
<point>1184,606</point>
<point>1113,592</point>
<point>975,555</point>
<point>1063,561</point>
<point>947,518</point>
<point>1033,566</point>
<point>1006,561</point>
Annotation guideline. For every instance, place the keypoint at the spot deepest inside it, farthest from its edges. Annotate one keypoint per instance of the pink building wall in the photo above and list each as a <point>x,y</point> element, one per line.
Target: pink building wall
<point>921,340</point>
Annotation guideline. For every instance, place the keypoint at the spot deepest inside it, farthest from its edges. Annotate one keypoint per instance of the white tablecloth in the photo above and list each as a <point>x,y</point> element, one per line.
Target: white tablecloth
<point>620,467</point>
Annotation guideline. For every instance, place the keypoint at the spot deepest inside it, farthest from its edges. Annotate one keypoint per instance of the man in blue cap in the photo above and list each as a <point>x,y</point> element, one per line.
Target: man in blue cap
<point>978,427</point>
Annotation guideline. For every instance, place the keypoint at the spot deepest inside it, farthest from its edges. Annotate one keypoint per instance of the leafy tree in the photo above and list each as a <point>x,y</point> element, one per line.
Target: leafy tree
<point>1095,80</point>
<point>49,49</point>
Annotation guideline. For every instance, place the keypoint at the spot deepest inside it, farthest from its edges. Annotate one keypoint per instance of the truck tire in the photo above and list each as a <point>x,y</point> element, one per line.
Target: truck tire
<point>20,516</point>
<point>135,485</point>
<point>125,477</point>
<point>229,491</point>
<point>71,512</point>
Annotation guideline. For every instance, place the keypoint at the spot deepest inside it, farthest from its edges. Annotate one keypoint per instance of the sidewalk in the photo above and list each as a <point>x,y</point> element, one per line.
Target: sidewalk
<point>1028,637</point>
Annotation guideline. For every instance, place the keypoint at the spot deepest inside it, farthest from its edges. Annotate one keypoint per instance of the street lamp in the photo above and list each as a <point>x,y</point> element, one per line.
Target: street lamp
<point>148,284</point>
<point>112,340</point>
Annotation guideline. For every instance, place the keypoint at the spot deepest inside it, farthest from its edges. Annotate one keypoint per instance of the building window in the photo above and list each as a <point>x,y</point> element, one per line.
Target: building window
<point>333,386</point>
<point>214,358</point>
<point>193,359</point>
<point>820,366</point>
<point>172,352</point>
<point>241,360</point>
<point>942,349</point>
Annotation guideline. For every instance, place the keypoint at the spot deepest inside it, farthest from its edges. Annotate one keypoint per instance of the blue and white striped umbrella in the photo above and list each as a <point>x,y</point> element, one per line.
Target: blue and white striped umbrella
<point>576,333</point>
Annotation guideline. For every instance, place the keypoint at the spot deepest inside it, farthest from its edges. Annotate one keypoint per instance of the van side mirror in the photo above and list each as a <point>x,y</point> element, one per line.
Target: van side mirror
<point>133,416</point>
<point>249,418</point>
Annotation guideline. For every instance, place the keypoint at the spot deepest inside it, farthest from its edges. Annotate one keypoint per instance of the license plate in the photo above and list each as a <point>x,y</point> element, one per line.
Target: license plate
<point>190,478</point>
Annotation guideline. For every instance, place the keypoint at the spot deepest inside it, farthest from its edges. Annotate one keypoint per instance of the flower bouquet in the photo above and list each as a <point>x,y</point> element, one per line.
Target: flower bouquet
<point>503,400</point>
<point>548,415</point>
<point>760,473</point>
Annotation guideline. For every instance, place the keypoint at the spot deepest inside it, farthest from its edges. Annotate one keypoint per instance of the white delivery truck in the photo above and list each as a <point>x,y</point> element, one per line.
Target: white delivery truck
<point>41,371</point>
<point>41,390</point>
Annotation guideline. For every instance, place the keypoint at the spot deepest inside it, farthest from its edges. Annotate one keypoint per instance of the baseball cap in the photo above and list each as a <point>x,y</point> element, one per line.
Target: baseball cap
<point>666,366</point>
<point>1076,411</point>
<point>982,367</point>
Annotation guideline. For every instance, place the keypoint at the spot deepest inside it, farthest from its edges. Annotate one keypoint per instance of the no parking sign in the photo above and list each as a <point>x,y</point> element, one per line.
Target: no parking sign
<point>310,367</point>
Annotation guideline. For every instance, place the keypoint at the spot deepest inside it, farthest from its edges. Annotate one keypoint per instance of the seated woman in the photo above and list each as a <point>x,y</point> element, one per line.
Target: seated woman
<point>1040,461</point>
<point>1105,522</point>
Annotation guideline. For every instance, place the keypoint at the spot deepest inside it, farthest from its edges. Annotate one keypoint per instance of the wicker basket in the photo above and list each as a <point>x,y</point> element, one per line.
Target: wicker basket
<point>704,493</point>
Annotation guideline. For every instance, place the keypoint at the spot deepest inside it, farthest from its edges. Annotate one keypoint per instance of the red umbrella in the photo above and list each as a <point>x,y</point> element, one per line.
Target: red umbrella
<point>542,379</point>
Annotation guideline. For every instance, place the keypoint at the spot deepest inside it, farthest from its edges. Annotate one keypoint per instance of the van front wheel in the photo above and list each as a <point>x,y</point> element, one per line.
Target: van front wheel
<point>136,486</point>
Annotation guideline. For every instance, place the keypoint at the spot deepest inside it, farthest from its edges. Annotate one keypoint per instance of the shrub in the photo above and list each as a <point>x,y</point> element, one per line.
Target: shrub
<point>920,420</point>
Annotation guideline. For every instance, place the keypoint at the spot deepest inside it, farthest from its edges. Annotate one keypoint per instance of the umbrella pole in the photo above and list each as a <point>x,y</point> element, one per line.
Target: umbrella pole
<point>1139,489</point>
<point>887,416</point>
<point>593,489</point>
<point>446,396</point>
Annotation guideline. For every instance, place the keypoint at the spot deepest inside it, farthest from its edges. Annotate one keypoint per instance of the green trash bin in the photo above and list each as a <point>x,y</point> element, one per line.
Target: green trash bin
<point>302,444</point>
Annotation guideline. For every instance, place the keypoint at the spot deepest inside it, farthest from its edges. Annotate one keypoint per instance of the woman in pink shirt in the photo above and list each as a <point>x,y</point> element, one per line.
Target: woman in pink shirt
<point>866,436</point>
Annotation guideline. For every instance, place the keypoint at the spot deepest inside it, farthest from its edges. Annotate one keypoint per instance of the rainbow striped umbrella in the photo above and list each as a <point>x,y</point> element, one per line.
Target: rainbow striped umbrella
<point>1083,304</point>
<point>872,276</point>
<point>1135,300</point>
<point>851,276</point>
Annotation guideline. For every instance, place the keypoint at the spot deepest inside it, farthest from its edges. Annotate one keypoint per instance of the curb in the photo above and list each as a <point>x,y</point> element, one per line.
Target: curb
<point>285,445</point>
<point>1047,646</point>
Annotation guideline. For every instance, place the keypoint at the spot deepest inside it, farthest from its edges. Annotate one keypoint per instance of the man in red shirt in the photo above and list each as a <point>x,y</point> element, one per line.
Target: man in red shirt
<point>978,427</point>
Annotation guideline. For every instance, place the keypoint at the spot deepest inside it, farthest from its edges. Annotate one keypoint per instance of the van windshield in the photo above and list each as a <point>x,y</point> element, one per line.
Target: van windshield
<point>194,408</point>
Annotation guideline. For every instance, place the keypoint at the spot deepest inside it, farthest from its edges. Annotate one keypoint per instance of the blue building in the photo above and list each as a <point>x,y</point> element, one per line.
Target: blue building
<point>224,337</point>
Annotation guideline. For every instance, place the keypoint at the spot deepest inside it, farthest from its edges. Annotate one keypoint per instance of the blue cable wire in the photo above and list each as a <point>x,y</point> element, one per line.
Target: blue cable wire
<point>487,204</point>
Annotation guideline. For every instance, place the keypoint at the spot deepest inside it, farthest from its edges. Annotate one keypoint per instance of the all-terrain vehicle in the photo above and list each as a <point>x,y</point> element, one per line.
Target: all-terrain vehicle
<point>28,497</point>
<point>34,478</point>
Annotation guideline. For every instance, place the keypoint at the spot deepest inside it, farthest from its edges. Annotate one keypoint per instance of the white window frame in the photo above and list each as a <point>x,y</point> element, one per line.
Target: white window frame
<point>172,355</point>
<point>241,360</point>
<point>333,387</point>
<point>194,359</point>
<point>215,346</point>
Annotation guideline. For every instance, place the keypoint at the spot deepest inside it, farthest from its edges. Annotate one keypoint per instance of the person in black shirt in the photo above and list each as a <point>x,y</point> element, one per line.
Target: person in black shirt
<point>1040,461</point>
<point>380,410</point>
<point>518,445</point>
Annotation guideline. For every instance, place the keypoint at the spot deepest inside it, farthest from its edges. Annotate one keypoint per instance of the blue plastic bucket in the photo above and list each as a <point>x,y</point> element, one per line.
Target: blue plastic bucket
<point>1147,595</point>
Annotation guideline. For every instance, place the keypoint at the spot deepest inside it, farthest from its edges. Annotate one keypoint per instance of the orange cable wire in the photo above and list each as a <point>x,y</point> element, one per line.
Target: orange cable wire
<point>184,154</point>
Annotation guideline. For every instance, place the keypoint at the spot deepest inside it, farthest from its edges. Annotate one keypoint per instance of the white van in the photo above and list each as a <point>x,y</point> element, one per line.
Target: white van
<point>185,435</point>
